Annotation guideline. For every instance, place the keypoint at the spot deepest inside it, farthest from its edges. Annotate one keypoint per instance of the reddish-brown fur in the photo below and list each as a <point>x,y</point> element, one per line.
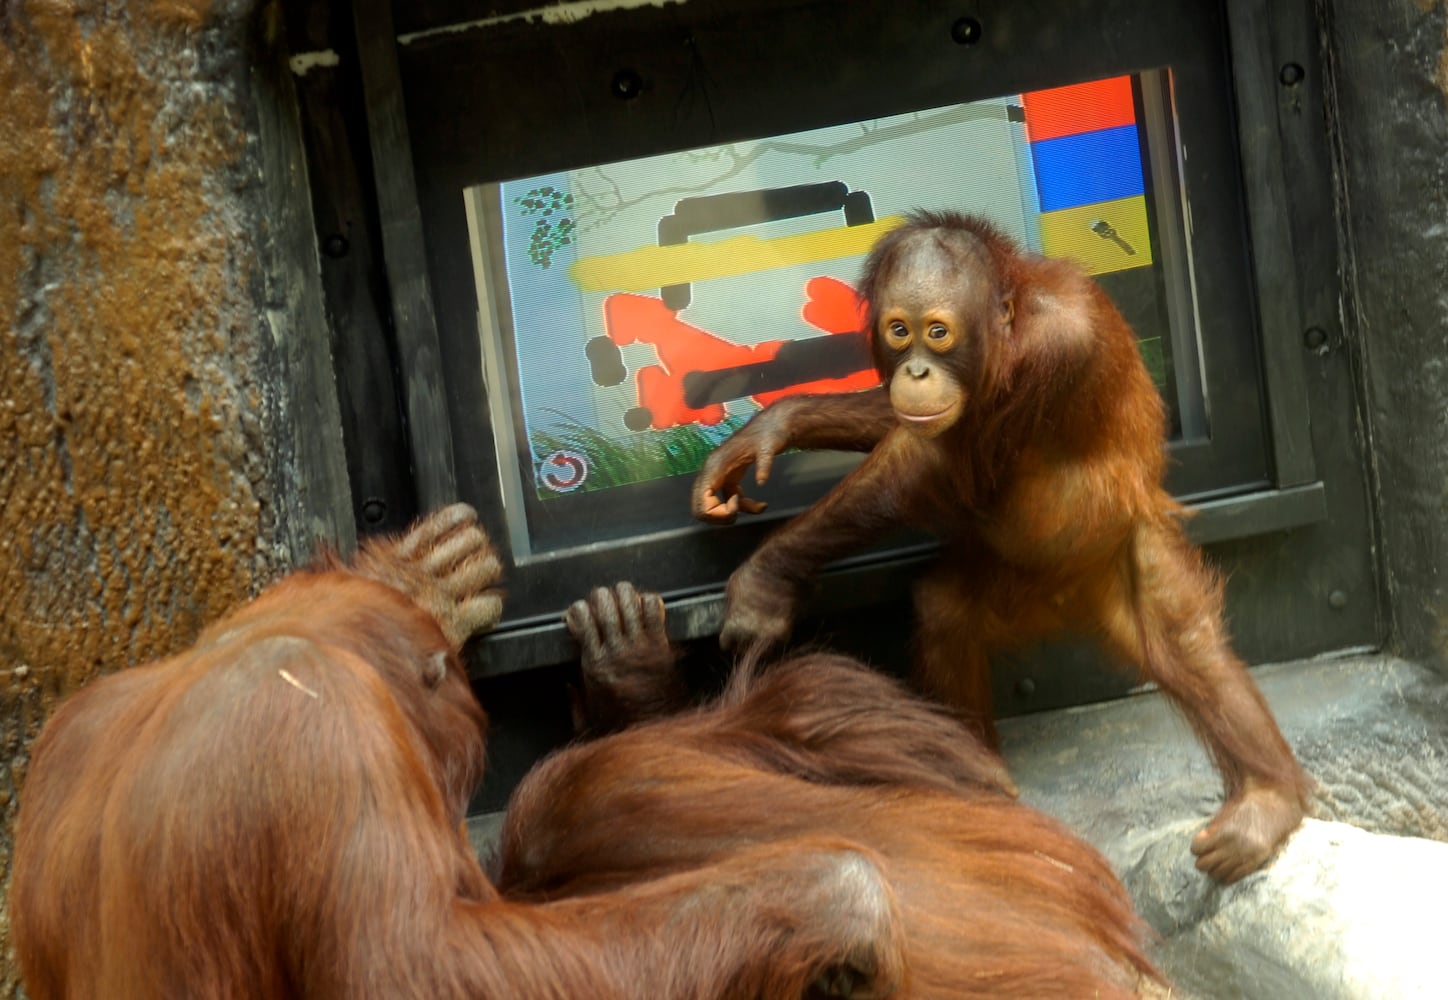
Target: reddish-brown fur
<point>276,813</point>
<point>1043,478</point>
<point>996,899</point>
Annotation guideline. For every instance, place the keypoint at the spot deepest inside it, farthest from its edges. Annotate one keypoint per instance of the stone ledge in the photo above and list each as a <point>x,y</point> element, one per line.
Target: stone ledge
<point>1341,914</point>
<point>1345,911</point>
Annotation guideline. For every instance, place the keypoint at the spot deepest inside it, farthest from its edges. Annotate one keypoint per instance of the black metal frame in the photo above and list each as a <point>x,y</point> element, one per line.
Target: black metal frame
<point>1298,550</point>
<point>409,142</point>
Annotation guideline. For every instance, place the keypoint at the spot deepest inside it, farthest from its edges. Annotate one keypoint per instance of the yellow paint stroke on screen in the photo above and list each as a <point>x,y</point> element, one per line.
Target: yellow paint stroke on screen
<point>653,267</point>
<point>1073,233</point>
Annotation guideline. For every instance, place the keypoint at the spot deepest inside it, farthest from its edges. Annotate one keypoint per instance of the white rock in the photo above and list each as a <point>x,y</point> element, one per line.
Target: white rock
<point>1340,914</point>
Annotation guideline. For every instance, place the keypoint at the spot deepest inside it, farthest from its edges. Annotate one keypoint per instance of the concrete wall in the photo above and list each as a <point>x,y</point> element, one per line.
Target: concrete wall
<point>152,472</point>
<point>1389,70</point>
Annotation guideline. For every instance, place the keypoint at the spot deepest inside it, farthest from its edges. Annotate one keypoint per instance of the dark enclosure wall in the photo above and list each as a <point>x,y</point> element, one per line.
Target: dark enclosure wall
<point>1389,66</point>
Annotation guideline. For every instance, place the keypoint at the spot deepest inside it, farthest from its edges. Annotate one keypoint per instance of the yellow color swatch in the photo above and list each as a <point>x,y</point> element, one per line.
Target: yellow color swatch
<point>654,267</point>
<point>1104,237</point>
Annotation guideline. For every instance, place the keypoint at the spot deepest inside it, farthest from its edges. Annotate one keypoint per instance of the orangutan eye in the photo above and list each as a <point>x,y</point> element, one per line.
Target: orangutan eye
<point>940,337</point>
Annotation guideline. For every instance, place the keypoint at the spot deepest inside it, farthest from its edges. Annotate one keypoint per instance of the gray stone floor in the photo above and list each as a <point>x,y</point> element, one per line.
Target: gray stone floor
<point>1354,907</point>
<point>1373,731</point>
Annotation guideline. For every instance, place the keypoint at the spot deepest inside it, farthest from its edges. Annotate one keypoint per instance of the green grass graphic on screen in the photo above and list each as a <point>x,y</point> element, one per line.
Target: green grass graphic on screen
<point>646,455</point>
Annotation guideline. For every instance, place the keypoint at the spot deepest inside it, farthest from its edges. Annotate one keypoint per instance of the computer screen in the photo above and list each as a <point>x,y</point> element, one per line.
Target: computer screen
<point>634,314</point>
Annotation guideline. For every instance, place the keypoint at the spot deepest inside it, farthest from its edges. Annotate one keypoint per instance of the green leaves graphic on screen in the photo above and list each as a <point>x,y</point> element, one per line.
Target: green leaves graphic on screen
<point>554,226</point>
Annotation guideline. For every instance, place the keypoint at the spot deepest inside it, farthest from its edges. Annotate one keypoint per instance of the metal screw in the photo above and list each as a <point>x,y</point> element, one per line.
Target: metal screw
<point>1315,338</point>
<point>965,31</point>
<point>374,510</point>
<point>335,245</point>
<point>1337,599</point>
<point>1291,74</point>
<point>627,84</point>
<point>1025,687</point>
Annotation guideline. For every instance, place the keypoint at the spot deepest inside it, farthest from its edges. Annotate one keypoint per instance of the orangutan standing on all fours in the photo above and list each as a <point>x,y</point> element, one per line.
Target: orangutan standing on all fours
<point>1018,423</point>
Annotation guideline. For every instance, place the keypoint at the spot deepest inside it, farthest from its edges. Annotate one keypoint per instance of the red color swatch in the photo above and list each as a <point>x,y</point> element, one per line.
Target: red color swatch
<point>1081,107</point>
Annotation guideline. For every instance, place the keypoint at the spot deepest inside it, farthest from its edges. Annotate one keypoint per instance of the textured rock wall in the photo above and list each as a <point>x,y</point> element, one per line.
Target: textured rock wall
<point>142,490</point>
<point>1389,64</point>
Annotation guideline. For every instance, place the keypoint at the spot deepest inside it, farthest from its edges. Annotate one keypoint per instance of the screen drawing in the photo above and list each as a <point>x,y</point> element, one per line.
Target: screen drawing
<point>634,314</point>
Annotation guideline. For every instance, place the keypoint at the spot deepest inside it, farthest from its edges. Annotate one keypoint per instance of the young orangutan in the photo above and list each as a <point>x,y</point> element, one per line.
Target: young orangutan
<point>1018,422</point>
<point>276,813</point>
<point>996,899</point>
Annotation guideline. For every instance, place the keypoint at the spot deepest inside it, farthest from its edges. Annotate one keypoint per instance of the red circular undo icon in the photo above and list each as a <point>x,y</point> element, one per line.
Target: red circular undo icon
<point>563,471</point>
